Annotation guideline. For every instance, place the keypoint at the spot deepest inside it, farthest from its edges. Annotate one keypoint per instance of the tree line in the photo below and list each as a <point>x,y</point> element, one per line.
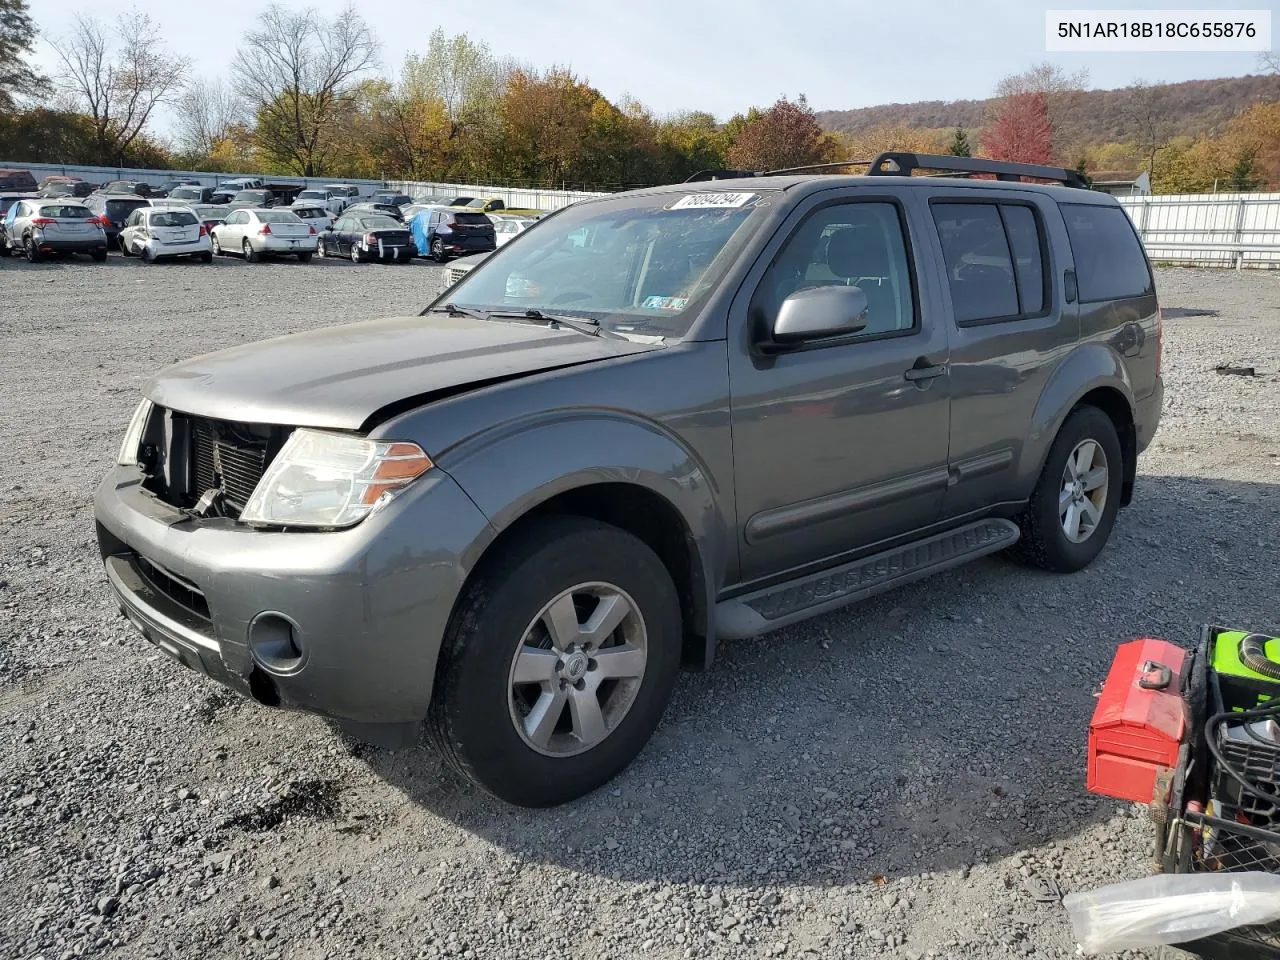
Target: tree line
<point>304,95</point>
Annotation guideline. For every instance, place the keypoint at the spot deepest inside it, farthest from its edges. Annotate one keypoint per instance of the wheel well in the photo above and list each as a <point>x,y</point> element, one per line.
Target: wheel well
<point>1114,405</point>
<point>652,519</point>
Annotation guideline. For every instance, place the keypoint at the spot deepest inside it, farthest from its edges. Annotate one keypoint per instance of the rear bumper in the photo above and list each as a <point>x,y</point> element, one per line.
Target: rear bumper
<point>72,246</point>
<point>1147,415</point>
<point>384,251</point>
<point>369,605</point>
<point>305,244</point>
<point>191,248</point>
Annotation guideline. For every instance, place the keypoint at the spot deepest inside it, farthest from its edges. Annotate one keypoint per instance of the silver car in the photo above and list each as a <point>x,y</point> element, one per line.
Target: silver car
<point>50,226</point>
<point>254,232</point>
<point>154,233</point>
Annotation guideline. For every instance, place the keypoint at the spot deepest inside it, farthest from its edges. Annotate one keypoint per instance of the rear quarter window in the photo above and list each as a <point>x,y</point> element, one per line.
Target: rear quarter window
<point>1110,264</point>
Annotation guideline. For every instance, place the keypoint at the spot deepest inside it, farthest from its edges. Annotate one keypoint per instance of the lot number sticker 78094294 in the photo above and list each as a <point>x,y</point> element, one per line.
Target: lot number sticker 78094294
<point>695,200</point>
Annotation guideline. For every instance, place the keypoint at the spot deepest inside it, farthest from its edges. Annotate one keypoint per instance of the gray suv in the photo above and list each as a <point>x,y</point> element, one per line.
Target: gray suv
<point>664,418</point>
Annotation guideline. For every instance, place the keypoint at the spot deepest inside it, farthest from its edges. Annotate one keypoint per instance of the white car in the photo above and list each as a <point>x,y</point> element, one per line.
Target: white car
<point>156,232</point>
<point>505,229</point>
<point>253,232</point>
<point>331,200</point>
<point>314,215</point>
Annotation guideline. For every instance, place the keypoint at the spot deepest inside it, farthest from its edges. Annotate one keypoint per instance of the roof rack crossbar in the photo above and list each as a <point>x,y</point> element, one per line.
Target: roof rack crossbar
<point>704,175</point>
<point>894,164</point>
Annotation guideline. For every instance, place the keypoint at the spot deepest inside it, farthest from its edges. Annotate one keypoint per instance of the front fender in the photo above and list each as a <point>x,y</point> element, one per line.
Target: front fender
<point>512,469</point>
<point>1087,368</point>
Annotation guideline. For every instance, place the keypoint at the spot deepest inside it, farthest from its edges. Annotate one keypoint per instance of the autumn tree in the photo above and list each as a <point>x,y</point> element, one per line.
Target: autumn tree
<point>300,73</point>
<point>1063,93</point>
<point>786,135</point>
<point>959,145</point>
<point>1019,130</point>
<point>205,113</point>
<point>1148,114</point>
<point>545,121</point>
<point>117,77</point>
<point>17,35</point>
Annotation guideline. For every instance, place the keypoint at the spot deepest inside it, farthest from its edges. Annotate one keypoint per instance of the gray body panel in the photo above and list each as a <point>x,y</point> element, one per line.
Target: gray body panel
<point>779,466</point>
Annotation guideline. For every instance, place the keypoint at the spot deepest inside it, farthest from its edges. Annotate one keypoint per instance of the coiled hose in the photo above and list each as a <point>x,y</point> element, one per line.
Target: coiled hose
<point>1253,654</point>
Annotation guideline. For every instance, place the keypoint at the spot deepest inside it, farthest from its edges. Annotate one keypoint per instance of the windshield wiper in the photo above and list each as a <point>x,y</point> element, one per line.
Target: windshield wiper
<point>584,325</point>
<point>453,310</point>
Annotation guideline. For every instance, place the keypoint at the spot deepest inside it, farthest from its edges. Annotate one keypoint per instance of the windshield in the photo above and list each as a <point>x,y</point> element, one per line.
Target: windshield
<point>312,195</point>
<point>637,263</point>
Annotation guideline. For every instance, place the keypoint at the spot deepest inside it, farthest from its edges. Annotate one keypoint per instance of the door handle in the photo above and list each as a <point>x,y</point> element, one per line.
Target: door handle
<point>923,370</point>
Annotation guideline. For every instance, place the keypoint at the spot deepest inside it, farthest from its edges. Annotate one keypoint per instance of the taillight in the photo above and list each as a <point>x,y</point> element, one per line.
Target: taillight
<point>264,229</point>
<point>311,230</point>
<point>452,224</point>
<point>103,220</point>
<point>370,240</point>
<point>203,231</point>
<point>1159,340</point>
<point>42,221</point>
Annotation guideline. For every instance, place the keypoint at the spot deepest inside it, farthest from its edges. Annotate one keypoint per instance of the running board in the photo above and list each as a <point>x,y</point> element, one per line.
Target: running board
<point>755,613</point>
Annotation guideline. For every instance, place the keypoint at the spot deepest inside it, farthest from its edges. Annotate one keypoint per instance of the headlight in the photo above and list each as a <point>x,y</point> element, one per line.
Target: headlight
<point>128,456</point>
<point>324,479</point>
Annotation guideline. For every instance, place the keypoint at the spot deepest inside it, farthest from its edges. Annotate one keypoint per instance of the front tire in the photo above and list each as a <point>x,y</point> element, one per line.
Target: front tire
<point>217,247</point>
<point>321,252</point>
<point>558,663</point>
<point>1074,505</point>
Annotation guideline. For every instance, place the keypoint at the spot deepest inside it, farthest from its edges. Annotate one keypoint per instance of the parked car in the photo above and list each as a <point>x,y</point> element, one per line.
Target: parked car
<point>395,199</point>
<point>350,194</point>
<point>254,233</point>
<point>7,203</point>
<point>13,181</point>
<point>156,233</point>
<point>459,201</point>
<point>59,186</point>
<point>260,199</point>
<point>221,196</point>
<point>193,193</point>
<point>236,184</point>
<point>44,227</point>
<point>496,205</point>
<point>166,189</point>
<point>331,201</point>
<point>113,210</point>
<point>450,232</point>
<point>313,215</point>
<point>457,269</point>
<point>386,209</point>
<point>367,236</point>
<point>506,229</point>
<point>664,418</point>
<point>413,209</point>
<point>135,188</point>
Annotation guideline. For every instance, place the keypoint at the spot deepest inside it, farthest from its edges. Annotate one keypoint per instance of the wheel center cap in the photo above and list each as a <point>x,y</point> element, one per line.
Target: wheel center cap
<point>1077,489</point>
<point>575,666</point>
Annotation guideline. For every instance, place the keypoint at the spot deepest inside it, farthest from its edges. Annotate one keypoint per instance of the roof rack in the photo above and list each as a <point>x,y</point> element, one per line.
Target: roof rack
<point>703,175</point>
<point>892,164</point>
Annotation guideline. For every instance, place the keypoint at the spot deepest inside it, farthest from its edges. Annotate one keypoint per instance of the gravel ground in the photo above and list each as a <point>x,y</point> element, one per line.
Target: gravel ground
<point>895,779</point>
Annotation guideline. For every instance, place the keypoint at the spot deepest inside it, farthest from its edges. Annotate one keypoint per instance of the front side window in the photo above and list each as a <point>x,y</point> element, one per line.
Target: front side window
<point>845,244</point>
<point>1110,264</point>
<point>639,263</point>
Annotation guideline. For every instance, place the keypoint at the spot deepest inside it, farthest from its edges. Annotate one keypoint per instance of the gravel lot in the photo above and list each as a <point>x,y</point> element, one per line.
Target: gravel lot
<point>890,780</point>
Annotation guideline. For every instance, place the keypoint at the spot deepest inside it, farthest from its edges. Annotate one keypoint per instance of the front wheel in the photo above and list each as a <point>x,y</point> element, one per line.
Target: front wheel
<point>558,662</point>
<point>217,247</point>
<point>320,249</point>
<point>1074,505</point>
<point>124,246</point>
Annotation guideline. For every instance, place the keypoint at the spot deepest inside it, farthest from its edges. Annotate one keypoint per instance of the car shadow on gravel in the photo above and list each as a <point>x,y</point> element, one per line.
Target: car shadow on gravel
<point>928,729</point>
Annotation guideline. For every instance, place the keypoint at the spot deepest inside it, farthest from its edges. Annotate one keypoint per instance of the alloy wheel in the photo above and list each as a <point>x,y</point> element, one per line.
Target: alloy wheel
<point>1083,496</point>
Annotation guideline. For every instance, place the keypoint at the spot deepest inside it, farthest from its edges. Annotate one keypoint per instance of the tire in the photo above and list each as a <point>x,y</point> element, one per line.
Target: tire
<point>477,715</point>
<point>99,256</point>
<point>206,257</point>
<point>250,254</point>
<point>304,258</point>
<point>355,254</point>
<point>1045,541</point>
<point>29,247</point>
<point>147,255</point>
<point>321,252</point>
<point>437,251</point>
<point>217,247</point>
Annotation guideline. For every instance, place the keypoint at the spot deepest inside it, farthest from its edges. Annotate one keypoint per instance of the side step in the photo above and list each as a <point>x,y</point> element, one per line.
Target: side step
<point>755,613</point>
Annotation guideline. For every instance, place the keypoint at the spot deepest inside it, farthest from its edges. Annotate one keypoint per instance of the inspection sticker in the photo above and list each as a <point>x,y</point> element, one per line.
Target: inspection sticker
<point>695,200</point>
<point>664,303</point>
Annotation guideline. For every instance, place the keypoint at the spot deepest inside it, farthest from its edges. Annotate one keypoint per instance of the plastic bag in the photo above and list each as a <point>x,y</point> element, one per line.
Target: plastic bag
<point>1171,908</point>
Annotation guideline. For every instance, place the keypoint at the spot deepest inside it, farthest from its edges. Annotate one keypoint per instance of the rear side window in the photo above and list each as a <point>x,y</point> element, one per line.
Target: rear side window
<point>995,260</point>
<point>1109,261</point>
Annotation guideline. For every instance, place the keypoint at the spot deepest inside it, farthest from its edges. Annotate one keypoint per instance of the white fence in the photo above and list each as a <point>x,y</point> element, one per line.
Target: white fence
<point>1215,230</point>
<point>511,196</point>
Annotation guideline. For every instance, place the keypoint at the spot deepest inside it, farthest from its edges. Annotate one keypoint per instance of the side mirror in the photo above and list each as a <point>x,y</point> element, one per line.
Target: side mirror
<point>819,313</point>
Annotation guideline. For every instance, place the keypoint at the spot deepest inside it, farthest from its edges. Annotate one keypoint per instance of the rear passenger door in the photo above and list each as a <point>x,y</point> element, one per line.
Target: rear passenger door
<point>1005,255</point>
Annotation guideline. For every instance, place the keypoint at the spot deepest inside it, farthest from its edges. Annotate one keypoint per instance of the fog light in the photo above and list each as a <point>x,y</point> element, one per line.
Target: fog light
<point>274,644</point>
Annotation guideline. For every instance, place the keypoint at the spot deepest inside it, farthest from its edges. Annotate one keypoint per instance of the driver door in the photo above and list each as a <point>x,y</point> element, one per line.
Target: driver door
<point>839,444</point>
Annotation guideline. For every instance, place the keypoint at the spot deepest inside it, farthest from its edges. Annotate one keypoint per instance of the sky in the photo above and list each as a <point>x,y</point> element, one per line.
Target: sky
<point>722,56</point>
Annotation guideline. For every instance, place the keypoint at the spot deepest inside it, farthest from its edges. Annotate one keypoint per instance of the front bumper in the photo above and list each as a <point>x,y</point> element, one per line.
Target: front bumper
<point>184,249</point>
<point>1147,414</point>
<point>369,605</point>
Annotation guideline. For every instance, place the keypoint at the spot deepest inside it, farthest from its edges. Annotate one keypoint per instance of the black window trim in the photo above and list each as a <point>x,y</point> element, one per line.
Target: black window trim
<point>1046,269</point>
<point>767,347</point>
<point>1151,280</point>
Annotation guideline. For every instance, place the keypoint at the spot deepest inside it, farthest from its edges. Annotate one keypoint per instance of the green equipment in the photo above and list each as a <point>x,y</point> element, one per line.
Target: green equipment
<point>1247,667</point>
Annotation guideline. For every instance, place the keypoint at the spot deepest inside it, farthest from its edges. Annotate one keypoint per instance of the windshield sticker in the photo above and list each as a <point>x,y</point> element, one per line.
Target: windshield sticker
<point>665,303</point>
<point>697,200</point>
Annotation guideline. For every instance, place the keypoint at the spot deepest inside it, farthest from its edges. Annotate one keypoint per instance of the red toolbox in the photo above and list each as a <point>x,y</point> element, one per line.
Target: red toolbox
<point>1139,723</point>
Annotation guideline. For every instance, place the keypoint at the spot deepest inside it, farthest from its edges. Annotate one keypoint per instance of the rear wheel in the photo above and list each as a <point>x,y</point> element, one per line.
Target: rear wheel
<point>1074,505</point>
<point>147,255</point>
<point>437,251</point>
<point>33,253</point>
<point>250,254</point>
<point>99,255</point>
<point>355,254</point>
<point>558,663</point>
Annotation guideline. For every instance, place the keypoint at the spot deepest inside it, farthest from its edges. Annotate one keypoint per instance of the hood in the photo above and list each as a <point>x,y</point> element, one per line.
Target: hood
<point>340,377</point>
